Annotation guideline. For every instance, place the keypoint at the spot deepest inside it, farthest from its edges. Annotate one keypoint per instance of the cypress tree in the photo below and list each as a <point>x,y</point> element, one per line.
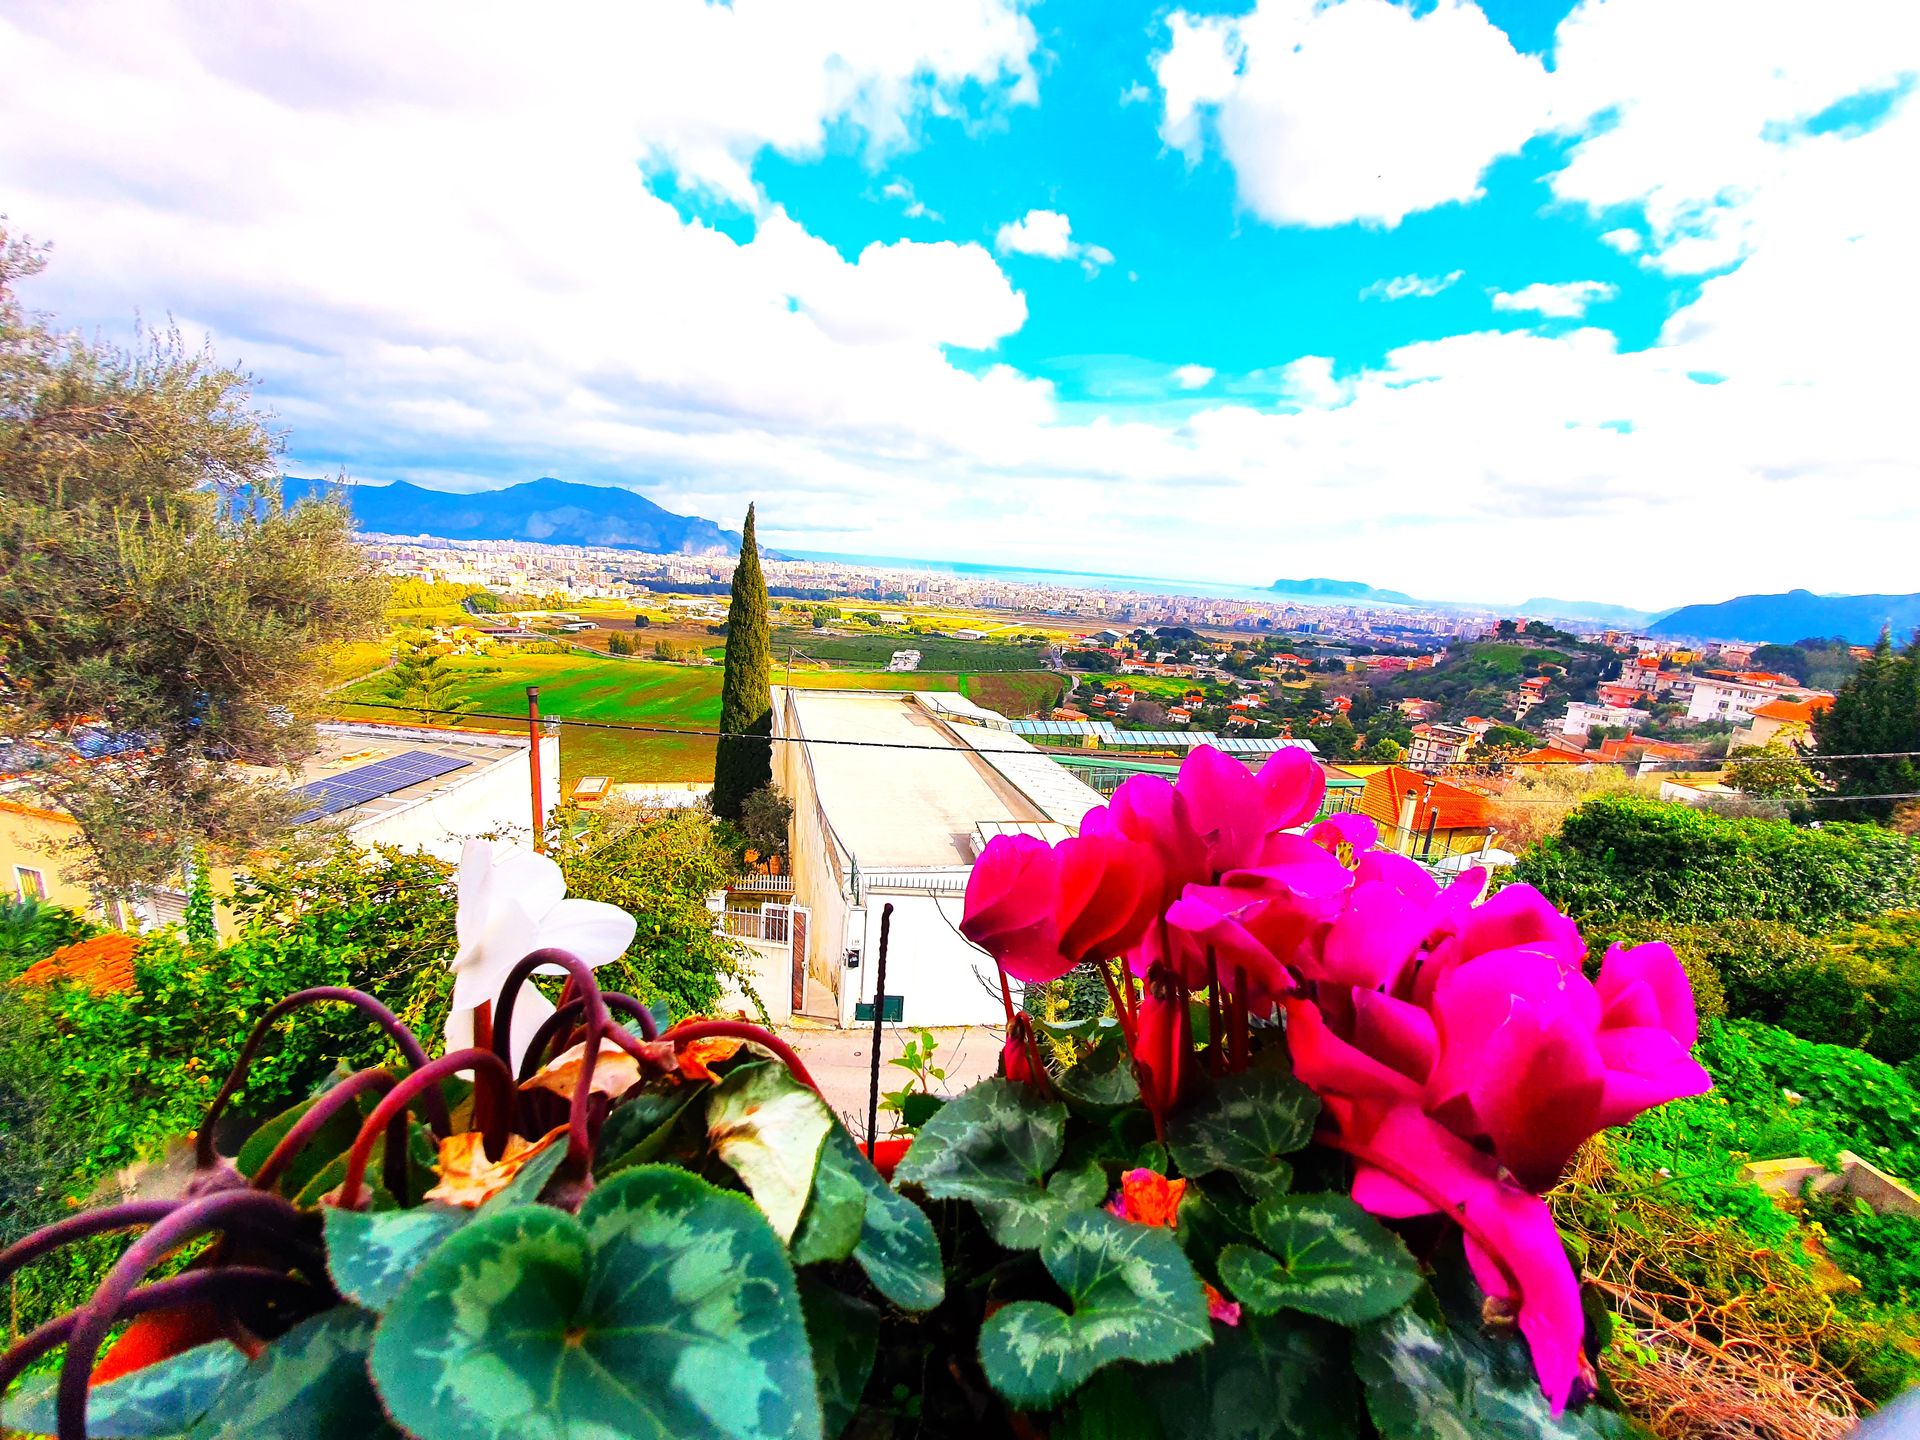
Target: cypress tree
<point>1874,713</point>
<point>742,766</point>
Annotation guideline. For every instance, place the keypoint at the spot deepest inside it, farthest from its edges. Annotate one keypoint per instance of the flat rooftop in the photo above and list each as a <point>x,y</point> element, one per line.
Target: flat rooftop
<point>911,795</point>
<point>347,748</point>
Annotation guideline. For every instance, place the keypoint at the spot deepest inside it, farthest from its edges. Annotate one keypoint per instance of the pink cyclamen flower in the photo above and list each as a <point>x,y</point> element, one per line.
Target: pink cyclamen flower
<point>1041,909</point>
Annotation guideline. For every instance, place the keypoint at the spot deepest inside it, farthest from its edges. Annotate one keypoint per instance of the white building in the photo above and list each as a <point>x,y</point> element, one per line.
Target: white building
<point>1734,700</point>
<point>1582,716</point>
<point>895,814</point>
<point>904,660</point>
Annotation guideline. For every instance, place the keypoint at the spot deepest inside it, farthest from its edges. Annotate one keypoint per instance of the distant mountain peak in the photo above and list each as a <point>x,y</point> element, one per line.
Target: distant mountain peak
<point>1792,615</point>
<point>545,511</point>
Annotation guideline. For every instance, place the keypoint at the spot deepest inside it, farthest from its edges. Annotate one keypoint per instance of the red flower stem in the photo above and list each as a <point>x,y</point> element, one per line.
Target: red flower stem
<point>1216,1017</point>
<point>220,1211</point>
<point>691,1030</point>
<point>485,1065</point>
<point>204,1153</point>
<point>318,1115</point>
<point>581,985</point>
<point>1242,1032</point>
<point>1416,1183</point>
<point>1006,997</point>
<point>1120,1015</point>
<point>131,1215</point>
<point>173,1293</point>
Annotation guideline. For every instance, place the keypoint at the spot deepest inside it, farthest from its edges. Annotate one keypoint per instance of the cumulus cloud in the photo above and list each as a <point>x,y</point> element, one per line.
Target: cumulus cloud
<point>1566,301</point>
<point>1049,235</point>
<point>1401,286</point>
<point>1358,110</point>
<point>1192,377</point>
<point>1625,241</point>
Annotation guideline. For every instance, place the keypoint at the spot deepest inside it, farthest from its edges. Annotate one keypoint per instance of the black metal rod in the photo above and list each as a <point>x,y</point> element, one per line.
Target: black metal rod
<point>879,1013</point>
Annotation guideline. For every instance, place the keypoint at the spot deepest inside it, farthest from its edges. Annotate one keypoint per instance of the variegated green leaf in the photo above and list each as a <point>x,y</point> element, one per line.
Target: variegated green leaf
<point>370,1253</point>
<point>640,1127</point>
<point>1102,1079</point>
<point>897,1247</point>
<point>666,1308</point>
<point>836,1212</point>
<point>845,1336</point>
<point>994,1146</point>
<point>1244,1126</point>
<point>310,1384</point>
<point>1427,1382</point>
<point>1134,1297</point>
<point>162,1399</point>
<point>1269,1378</point>
<point>1325,1256</point>
<point>769,1128</point>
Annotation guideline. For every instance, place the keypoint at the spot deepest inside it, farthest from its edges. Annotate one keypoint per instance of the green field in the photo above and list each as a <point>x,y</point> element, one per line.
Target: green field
<point>936,652</point>
<point>642,692</point>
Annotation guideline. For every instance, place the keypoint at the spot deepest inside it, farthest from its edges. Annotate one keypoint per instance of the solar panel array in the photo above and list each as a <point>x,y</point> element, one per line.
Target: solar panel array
<point>1107,734</point>
<point>369,782</point>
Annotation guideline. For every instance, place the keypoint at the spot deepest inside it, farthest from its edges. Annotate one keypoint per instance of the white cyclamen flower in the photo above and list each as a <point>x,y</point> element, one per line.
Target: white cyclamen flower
<point>513,902</point>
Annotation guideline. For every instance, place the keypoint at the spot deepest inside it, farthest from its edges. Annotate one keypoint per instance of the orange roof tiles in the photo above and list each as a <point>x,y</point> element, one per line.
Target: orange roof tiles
<point>1456,809</point>
<point>103,964</point>
<point>1793,711</point>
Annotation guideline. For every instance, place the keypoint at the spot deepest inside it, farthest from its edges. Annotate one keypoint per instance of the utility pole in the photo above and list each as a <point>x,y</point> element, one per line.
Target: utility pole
<point>533,764</point>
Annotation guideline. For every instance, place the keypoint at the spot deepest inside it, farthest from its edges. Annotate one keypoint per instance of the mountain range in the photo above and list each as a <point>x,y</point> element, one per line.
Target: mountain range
<point>544,511</point>
<point>1796,615</point>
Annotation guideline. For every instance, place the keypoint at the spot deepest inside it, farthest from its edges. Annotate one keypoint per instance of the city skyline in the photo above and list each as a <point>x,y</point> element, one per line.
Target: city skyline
<point>1601,301</point>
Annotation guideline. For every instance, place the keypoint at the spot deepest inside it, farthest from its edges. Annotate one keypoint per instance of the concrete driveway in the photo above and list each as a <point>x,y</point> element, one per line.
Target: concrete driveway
<point>841,1061</point>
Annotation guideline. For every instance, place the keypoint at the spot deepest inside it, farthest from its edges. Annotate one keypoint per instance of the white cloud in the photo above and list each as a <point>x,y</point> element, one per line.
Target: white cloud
<point>1192,377</point>
<point>1049,235</point>
<point>1625,241</point>
<point>1135,94</point>
<point>1354,110</point>
<point>1566,301</point>
<point>1401,286</point>
<point>911,205</point>
<point>428,236</point>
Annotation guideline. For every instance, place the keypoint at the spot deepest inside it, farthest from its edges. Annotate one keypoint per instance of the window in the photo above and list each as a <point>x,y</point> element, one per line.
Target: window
<point>31,884</point>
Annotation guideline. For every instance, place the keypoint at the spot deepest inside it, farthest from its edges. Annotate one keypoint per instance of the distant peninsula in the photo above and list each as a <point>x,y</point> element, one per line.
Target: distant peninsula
<point>1340,590</point>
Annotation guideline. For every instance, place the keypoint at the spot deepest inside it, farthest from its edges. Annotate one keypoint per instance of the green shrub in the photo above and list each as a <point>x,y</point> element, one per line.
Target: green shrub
<point>1882,1252</point>
<point>1625,857</point>
<point>31,930</point>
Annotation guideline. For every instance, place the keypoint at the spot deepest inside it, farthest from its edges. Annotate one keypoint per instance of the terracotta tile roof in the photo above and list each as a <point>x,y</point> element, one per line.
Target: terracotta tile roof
<point>1457,809</point>
<point>1550,756</point>
<point>1792,711</point>
<point>103,964</point>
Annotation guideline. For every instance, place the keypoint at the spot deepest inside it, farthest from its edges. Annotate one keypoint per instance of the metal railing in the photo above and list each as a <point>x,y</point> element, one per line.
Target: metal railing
<point>773,925</point>
<point>762,884</point>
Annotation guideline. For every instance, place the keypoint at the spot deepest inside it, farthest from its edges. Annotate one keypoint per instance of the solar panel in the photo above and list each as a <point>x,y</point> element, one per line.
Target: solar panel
<point>369,782</point>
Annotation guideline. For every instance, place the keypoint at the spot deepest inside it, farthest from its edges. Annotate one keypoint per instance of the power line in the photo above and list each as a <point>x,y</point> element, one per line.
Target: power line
<point>688,732</point>
<point>521,719</point>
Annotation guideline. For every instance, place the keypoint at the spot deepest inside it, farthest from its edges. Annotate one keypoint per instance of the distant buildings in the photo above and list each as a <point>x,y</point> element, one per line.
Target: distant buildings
<point>1437,745</point>
<point>1583,716</point>
<point>904,660</point>
<point>1790,722</point>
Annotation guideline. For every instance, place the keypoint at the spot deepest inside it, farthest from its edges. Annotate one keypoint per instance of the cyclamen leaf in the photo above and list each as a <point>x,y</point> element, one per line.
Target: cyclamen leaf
<point>845,1336</point>
<point>640,1126</point>
<point>1134,1297</point>
<point>994,1146</point>
<point>1102,1079</point>
<point>896,1245</point>
<point>1244,1126</point>
<point>666,1307</point>
<point>1278,1378</point>
<point>310,1384</point>
<point>1324,1255</point>
<point>769,1128</point>
<point>161,1399</point>
<point>836,1212</point>
<point>1424,1382</point>
<point>370,1253</point>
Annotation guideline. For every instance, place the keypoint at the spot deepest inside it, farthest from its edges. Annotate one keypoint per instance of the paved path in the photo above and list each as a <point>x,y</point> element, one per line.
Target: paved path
<point>841,1061</point>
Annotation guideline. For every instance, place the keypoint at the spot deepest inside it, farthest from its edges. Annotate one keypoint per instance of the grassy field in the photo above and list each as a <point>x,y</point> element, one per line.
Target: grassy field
<point>355,659</point>
<point>1016,694</point>
<point>1161,687</point>
<point>935,653</point>
<point>639,692</point>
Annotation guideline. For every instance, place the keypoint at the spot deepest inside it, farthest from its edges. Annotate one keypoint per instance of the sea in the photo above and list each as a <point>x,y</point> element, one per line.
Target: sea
<point>1068,579</point>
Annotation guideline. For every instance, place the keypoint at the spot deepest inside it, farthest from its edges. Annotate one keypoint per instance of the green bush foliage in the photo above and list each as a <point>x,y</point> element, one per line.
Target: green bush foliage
<point>31,930</point>
<point>1625,858</point>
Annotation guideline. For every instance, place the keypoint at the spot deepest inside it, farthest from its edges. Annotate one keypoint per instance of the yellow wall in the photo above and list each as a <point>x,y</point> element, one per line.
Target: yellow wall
<point>36,840</point>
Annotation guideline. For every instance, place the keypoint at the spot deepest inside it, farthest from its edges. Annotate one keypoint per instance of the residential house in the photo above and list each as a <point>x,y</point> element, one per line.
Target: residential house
<point>1426,818</point>
<point>1582,716</point>
<point>1437,745</point>
<point>1788,721</point>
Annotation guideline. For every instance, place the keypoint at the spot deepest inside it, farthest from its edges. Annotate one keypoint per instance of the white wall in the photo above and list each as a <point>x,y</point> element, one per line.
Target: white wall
<point>769,967</point>
<point>941,979</point>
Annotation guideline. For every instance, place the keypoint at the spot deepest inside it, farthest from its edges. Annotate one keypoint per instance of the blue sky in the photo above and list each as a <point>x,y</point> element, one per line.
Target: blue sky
<point>1607,301</point>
